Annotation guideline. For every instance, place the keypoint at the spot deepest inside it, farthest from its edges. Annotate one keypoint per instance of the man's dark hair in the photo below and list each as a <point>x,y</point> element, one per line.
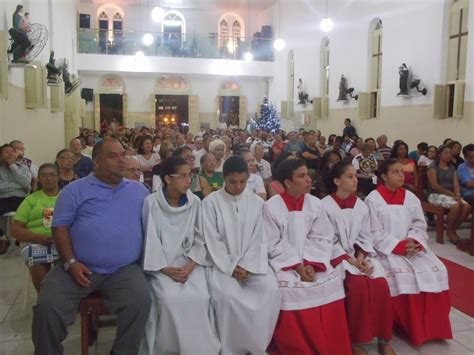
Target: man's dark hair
<point>422,146</point>
<point>286,169</point>
<point>235,164</point>
<point>338,139</point>
<point>467,148</point>
<point>348,120</point>
<point>6,145</point>
<point>97,150</point>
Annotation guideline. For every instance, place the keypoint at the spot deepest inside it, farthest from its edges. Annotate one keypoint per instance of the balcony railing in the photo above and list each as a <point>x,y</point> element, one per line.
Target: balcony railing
<point>166,44</point>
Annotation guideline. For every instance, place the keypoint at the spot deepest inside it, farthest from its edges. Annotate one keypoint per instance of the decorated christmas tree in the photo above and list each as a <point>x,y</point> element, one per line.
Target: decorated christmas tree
<point>268,120</point>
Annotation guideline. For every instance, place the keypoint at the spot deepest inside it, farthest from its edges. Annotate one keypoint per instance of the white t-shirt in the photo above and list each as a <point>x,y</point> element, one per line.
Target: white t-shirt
<point>255,184</point>
<point>264,169</point>
<point>147,165</point>
<point>197,156</point>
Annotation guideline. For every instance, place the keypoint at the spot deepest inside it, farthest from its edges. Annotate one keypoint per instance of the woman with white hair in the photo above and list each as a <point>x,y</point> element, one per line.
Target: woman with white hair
<point>217,147</point>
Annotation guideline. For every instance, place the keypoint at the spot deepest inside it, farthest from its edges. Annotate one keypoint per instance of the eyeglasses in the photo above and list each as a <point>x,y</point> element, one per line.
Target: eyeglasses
<point>183,176</point>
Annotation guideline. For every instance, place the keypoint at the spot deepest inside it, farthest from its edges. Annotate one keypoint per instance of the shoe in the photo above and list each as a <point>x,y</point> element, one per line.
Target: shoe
<point>386,349</point>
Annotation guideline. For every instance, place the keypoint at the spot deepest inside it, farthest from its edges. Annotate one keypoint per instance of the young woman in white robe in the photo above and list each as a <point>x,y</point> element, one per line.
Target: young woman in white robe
<point>418,280</point>
<point>368,302</point>
<point>174,261</point>
<point>312,317</point>
<point>244,293</point>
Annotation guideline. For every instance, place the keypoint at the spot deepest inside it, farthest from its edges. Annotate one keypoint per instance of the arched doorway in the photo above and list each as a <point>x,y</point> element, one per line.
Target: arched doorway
<point>110,102</point>
<point>231,106</point>
<point>173,104</point>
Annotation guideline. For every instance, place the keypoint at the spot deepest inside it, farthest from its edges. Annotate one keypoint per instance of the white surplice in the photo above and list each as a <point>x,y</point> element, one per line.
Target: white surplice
<point>351,227</point>
<point>180,317</point>
<point>247,312</point>
<point>299,236</point>
<point>392,223</point>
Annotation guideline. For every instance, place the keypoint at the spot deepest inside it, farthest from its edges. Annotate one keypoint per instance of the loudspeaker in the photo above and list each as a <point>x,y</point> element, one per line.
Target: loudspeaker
<point>87,94</point>
<point>84,21</point>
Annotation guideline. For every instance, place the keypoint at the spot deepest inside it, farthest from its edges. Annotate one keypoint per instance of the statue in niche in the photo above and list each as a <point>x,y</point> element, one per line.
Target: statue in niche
<point>342,89</point>
<point>404,73</point>
<point>303,97</point>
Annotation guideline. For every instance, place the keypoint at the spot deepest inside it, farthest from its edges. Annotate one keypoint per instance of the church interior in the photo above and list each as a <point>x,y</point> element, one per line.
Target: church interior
<point>404,69</point>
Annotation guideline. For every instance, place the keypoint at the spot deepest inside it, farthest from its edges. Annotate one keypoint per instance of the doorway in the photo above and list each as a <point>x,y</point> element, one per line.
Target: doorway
<point>111,107</point>
<point>172,110</point>
<point>229,109</point>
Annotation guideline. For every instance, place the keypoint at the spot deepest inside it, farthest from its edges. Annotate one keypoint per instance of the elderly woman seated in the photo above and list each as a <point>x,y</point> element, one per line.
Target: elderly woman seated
<point>32,224</point>
<point>214,178</point>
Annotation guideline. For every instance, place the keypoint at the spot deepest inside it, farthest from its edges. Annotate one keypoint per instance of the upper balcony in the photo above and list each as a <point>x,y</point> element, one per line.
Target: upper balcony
<point>174,53</point>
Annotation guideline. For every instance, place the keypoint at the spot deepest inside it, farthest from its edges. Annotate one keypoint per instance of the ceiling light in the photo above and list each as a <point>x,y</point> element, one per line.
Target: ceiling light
<point>248,56</point>
<point>147,39</point>
<point>326,24</point>
<point>279,44</point>
<point>139,54</point>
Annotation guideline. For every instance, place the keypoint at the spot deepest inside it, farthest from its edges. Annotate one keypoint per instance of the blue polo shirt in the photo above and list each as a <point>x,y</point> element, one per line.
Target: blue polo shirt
<point>104,222</point>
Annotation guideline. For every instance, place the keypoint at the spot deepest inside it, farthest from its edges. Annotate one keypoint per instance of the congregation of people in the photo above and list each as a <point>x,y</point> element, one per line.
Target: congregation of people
<point>234,242</point>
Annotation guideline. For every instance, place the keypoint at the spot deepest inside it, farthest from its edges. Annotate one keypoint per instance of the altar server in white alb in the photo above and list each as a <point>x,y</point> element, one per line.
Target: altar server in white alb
<point>312,317</point>
<point>418,280</point>
<point>174,260</point>
<point>368,302</point>
<point>244,292</point>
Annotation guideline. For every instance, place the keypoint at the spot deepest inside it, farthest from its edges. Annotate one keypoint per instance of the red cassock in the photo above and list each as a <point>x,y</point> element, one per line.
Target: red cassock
<point>318,330</point>
<point>419,285</point>
<point>305,329</point>
<point>368,301</point>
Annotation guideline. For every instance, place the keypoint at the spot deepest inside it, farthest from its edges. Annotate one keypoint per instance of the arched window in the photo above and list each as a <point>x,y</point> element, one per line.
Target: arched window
<point>291,77</point>
<point>174,29</point>
<point>375,69</point>
<point>103,30</point>
<point>325,67</point>
<point>449,98</point>
<point>231,31</point>
<point>223,33</point>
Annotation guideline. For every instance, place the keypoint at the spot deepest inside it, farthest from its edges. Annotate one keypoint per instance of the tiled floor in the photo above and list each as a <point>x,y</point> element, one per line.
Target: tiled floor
<point>15,325</point>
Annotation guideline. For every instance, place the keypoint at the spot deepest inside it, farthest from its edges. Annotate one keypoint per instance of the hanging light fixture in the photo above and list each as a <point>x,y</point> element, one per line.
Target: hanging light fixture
<point>279,43</point>
<point>147,37</point>
<point>248,56</point>
<point>326,24</point>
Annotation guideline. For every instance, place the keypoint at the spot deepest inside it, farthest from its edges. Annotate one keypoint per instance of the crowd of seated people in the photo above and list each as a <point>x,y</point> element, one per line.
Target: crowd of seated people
<point>221,166</point>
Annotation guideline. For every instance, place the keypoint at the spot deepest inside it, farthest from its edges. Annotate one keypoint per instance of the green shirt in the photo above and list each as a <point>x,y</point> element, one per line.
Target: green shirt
<point>37,212</point>
<point>216,181</point>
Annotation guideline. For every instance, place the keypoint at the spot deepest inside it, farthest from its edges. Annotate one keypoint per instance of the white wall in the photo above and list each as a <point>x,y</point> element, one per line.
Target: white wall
<point>132,64</point>
<point>414,32</point>
<point>42,131</point>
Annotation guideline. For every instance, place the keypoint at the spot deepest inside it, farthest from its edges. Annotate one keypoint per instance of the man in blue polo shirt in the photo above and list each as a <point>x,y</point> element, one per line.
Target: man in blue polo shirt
<point>97,231</point>
<point>466,174</point>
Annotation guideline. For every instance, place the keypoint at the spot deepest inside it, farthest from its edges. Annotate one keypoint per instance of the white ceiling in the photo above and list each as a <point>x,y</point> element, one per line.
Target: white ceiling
<point>221,5</point>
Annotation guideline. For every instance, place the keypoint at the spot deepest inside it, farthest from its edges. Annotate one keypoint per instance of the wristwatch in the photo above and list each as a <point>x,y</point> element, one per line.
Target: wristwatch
<point>68,264</point>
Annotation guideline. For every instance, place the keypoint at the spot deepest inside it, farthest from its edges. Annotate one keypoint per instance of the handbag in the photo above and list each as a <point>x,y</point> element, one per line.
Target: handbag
<point>33,254</point>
